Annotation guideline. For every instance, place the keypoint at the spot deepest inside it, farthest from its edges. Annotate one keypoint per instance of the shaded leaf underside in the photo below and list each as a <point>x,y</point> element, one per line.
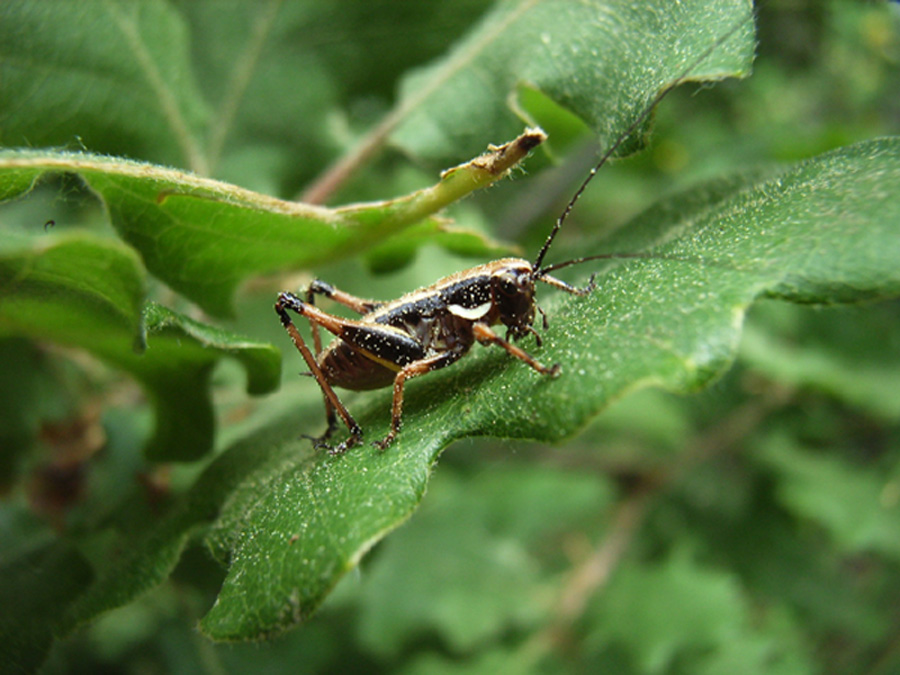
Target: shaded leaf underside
<point>205,237</point>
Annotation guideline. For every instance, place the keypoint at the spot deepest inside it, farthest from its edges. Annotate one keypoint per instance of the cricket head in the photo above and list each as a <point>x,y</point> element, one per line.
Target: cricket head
<point>512,296</point>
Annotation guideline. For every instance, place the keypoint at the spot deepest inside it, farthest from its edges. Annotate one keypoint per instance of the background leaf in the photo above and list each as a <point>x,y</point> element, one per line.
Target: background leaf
<point>498,534</point>
<point>115,76</point>
<point>32,589</point>
<point>861,514</point>
<point>573,53</point>
<point>121,79</point>
<point>84,291</point>
<point>700,608</point>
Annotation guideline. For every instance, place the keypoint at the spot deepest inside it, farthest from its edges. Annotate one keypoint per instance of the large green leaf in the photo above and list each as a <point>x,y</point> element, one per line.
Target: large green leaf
<point>824,231</point>
<point>292,524</point>
<point>86,291</point>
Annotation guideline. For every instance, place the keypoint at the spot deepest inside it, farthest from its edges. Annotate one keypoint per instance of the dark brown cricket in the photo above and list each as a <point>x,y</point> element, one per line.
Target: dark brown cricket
<point>435,326</point>
<point>424,330</point>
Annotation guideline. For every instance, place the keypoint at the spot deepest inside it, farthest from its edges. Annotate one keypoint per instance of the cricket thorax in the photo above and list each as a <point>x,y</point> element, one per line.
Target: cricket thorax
<point>481,294</point>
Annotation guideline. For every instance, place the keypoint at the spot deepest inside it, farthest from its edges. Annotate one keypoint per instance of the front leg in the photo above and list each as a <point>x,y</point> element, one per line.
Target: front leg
<point>486,336</point>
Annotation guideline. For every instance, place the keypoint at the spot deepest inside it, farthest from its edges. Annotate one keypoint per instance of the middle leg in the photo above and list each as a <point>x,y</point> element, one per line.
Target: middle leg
<point>414,369</point>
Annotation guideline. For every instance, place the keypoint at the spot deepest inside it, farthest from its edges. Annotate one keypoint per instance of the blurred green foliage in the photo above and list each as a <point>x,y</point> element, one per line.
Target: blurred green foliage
<point>751,527</point>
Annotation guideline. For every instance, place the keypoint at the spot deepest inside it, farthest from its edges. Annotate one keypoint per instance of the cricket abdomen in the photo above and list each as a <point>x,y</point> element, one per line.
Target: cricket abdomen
<point>361,360</point>
<point>346,367</point>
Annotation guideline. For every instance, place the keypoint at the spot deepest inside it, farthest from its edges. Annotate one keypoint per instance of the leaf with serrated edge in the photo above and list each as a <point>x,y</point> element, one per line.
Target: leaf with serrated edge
<point>823,231</point>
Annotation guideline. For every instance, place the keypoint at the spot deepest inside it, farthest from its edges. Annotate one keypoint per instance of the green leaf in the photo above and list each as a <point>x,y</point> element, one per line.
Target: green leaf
<point>183,352</point>
<point>33,587</point>
<point>115,76</point>
<point>847,355</point>
<point>659,611</point>
<point>823,231</point>
<point>592,58</point>
<point>859,507</point>
<point>204,237</point>
<point>489,581</point>
<point>85,291</point>
<point>75,288</point>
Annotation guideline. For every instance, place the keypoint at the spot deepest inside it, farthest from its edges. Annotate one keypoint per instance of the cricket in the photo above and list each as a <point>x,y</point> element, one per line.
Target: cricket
<point>433,327</point>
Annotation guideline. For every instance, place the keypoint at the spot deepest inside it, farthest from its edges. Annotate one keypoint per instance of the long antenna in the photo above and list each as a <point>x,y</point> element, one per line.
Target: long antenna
<point>645,113</point>
<point>642,256</point>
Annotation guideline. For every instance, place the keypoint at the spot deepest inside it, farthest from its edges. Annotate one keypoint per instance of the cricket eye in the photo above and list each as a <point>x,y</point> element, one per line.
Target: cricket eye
<point>509,285</point>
